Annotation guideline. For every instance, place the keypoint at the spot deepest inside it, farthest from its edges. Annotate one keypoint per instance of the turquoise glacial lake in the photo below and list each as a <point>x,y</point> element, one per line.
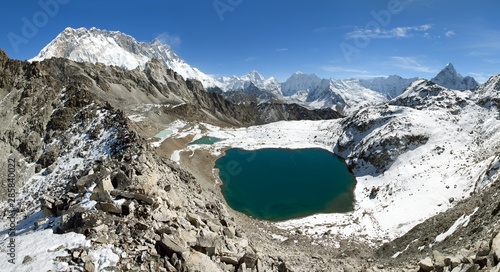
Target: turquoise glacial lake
<point>205,140</point>
<point>164,134</point>
<point>279,184</point>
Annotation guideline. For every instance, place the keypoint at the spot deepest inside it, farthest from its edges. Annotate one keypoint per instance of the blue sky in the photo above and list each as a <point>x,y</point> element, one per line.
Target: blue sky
<point>331,38</point>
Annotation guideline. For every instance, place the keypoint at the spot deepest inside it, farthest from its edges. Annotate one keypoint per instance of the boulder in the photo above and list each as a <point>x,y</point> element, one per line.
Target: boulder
<point>131,195</point>
<point>89,266</point>
<point>495,248</point>
<point>229,232</point>
<point>128,207</point>
<point>481,261</point>
<point>229,260</point>
<point>483,249</point>
<point>163,215</point>
<point>426,265</point>
<point>77,219</point>
<point>168,246</point>
<point>195,261</point>
<point>249,259</point>
<point>48,206</point>
<point>188,236</point>
<point>284,267</point>
<point>109,207</point>
<point>438,259</point>
<point>174,201</point>
<point>84,183</point>
<point>100,195</point>
<point>105,184</point>
<point>452,261</point>
<point>209,243</point>
<point>120,181</point>
<point>194,220</point>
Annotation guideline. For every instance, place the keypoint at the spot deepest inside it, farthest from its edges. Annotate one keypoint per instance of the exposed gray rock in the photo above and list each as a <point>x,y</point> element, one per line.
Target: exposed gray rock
<point>196,261</point>
<point>100,195</point>
<point>495,248</point>
<point>438,259</point>
<point>27,259</point>
<point>426,265</point>
<point>284,267</point>
<point>128,207</point>
<point>105,184</point>
<point>168,246</point>
<point>466,268</point>
<point>452,261</point>
<point>120,181</point>
<point>89,266</point>
<point>483,249</point>
<point>249,259</point>
<point>109,207</point>
<point>229,260</point>
<point>85,182</point>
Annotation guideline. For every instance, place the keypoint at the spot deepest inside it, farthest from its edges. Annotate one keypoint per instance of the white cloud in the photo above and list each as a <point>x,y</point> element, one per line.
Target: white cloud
<point>248,59</point>
<point>492,61</point>
<point>171,40</point>
<point>328,29</point>
<point>349,72</point>
<point>478,54</point>
<point>378,33</point>
<point>410,63</point>
<point>335,69</point>
<point>450,33</point>
<point>282,49</point>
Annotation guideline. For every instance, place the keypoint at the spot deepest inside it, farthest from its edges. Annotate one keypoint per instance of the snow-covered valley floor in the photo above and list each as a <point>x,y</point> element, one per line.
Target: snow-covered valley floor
<point>457,159</point>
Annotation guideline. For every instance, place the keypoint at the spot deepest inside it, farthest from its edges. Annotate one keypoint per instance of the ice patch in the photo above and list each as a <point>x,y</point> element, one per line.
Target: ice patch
<point>462,221</point>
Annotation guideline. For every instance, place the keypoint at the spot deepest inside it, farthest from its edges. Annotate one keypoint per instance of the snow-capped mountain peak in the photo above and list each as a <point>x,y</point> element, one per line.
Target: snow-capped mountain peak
<point>390,86</point>
<point>450,78</point>
<point>115,48</point>
<point>300,82</point>
<point>236,83</point>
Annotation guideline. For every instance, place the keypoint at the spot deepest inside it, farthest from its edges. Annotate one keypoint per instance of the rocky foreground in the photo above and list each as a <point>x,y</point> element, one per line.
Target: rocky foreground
<point>89,170</point>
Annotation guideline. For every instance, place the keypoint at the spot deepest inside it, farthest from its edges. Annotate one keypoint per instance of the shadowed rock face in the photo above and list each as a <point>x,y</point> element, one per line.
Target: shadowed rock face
<point>186,99</point>
<point>450,78</point>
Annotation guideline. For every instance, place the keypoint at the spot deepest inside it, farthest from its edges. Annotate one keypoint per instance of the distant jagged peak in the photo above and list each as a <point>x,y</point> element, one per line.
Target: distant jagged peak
<point>253,79</point>
<point>493,84</point>
<point>450,78</point>
<point>254,74</point>
<point>299,82</point>
<point>300,74</point>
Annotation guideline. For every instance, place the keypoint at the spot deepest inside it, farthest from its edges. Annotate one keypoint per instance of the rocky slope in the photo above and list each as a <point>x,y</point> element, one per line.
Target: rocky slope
<point>83,168</point>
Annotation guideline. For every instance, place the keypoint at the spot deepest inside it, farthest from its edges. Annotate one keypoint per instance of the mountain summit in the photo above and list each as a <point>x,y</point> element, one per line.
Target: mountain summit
<point>450,78</point>
<point>115,48</point>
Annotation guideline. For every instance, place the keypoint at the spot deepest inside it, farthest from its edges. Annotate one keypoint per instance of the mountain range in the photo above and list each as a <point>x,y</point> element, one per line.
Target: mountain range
<point>106,177</point>
<point>118,49</point>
